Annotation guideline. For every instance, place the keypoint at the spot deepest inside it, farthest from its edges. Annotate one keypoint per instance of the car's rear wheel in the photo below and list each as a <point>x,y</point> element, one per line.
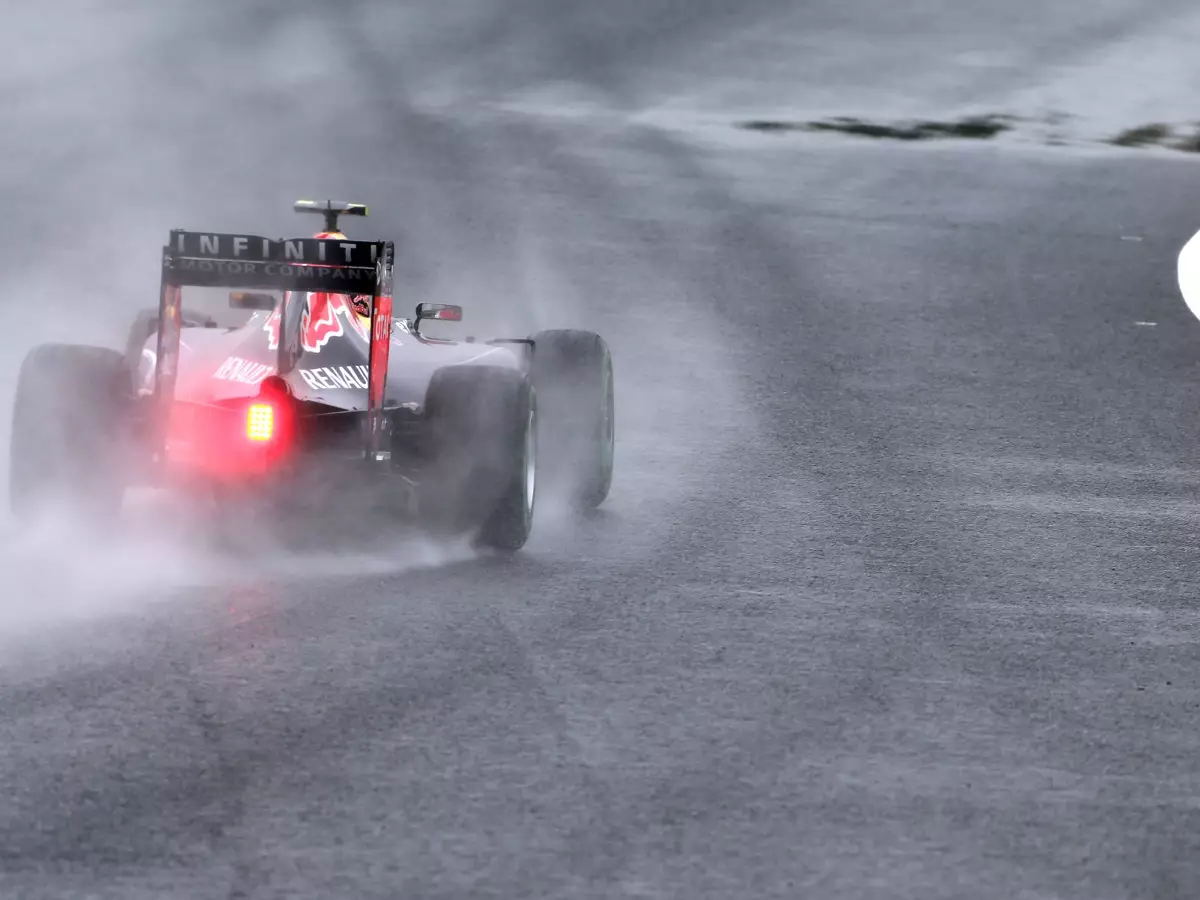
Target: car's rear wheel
<point>68,416</point>
<point>483,477</point>
<point>572,372</point>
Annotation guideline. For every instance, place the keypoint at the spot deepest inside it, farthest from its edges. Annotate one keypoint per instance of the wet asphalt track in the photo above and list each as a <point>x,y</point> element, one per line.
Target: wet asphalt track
<point>894,596</point>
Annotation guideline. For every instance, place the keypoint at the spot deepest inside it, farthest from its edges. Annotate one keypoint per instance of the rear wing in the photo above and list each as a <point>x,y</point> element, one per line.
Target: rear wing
<point>204,259</point>
<point>197,259</point>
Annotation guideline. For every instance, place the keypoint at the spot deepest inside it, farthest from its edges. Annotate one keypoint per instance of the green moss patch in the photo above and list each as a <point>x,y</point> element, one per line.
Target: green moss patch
<point>1142,136</point>
<point>970,128</point>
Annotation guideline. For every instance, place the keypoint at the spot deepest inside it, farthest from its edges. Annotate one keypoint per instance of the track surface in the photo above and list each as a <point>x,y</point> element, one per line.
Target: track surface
<point>894,596</point>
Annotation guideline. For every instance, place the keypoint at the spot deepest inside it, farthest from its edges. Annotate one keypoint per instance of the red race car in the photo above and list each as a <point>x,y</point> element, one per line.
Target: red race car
<point>321,391</point>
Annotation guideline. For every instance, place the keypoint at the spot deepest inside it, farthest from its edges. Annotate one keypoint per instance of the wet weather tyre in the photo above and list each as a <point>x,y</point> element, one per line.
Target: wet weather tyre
<point>66,429</point>
<point>572,372</point>
<point>483,424</point>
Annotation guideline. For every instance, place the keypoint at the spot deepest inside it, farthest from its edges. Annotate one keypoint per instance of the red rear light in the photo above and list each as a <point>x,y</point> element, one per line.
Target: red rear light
<point>260,422</point>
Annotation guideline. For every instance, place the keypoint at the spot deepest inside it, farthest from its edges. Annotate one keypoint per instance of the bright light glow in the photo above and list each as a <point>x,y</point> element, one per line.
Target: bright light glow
<point>1189,274</point>
<point>260,422</point>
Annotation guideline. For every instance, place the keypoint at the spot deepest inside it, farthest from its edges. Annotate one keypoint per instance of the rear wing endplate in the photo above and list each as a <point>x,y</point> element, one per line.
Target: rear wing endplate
<point>204,259</point>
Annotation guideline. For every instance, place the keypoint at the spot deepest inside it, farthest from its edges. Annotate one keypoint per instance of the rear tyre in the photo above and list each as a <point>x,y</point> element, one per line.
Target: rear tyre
<point>483,478</point>
<point>573,374</point>
<point>68,421</point>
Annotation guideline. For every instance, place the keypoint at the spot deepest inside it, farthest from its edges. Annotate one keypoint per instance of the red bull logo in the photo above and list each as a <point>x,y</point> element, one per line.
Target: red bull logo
<point>324,319</point>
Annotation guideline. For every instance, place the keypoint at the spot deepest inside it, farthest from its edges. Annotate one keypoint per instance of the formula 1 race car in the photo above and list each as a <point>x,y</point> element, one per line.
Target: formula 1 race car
<point>319,390</point>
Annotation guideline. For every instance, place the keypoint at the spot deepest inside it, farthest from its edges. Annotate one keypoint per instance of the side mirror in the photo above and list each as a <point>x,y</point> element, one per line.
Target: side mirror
<point>441,312</point>
<point>252,300</point>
